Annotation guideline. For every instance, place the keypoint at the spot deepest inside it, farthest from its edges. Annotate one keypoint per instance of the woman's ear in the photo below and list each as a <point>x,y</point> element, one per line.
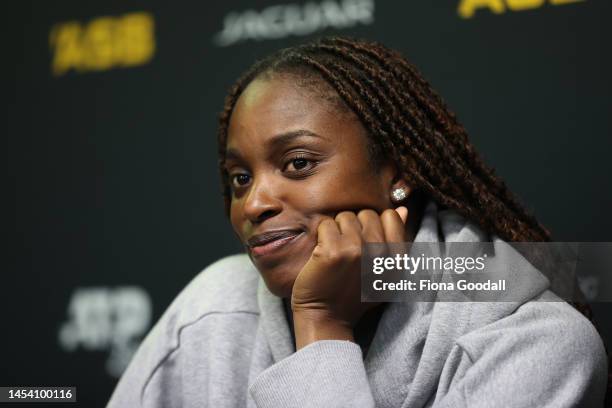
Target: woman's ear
<point>398,187</point>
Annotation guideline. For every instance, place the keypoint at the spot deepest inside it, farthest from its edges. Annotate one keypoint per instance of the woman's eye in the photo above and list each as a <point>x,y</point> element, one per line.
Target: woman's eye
<point>299,163</point>
<point>239,180</point>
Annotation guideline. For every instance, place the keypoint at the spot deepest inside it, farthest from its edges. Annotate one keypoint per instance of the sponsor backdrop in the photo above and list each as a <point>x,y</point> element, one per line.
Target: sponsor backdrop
<point>111,157</point>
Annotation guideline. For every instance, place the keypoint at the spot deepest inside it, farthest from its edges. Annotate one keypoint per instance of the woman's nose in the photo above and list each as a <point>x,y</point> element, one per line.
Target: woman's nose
<point>261,202</point>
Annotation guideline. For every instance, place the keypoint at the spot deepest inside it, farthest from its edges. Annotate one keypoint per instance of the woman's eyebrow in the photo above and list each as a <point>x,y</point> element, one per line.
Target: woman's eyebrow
<point>274,143</point>
<point>232,154</point>
<point>284,138</point>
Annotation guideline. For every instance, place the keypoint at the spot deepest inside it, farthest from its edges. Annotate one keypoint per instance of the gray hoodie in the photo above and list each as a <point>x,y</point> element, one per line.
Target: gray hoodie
<point>225,342</point>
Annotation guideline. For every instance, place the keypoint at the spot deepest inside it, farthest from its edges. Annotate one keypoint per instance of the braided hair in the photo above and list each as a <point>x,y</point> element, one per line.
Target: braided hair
<point>406,121</point>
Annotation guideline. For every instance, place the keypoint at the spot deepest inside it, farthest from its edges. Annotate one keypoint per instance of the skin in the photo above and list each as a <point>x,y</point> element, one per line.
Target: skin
<point>318,180</point>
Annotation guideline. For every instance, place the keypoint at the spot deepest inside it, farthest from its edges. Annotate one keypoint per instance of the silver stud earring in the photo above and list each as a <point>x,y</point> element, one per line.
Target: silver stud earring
<point>398,194</point>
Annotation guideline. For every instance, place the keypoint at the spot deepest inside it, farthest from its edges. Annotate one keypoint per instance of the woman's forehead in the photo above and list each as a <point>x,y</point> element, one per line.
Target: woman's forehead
<point>271,107</point>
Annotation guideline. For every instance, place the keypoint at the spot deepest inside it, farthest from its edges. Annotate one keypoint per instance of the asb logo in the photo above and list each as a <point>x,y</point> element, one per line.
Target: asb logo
<point>103,43</point>
<point>283,20</point>
<point>467,8</point>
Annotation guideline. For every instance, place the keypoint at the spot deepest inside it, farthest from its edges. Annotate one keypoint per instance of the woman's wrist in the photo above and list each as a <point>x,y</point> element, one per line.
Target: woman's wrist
<point>314,325</point>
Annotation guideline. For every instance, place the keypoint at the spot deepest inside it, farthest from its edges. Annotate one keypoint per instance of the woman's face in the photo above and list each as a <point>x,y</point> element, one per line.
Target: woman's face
<point>293,158</point>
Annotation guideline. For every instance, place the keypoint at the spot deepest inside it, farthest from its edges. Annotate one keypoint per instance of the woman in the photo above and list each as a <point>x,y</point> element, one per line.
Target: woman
<point>323,147</point>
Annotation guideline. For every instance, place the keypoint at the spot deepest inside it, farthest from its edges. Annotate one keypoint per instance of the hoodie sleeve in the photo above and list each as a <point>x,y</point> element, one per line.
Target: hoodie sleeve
<point>553,358</point>
<point>326,373</point>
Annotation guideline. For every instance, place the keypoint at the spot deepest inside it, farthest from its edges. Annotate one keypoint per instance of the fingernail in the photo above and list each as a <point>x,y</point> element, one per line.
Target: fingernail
<point>403,213</point>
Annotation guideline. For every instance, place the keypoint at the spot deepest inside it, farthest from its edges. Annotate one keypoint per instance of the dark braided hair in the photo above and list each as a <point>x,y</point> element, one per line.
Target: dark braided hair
<point>406,121</point>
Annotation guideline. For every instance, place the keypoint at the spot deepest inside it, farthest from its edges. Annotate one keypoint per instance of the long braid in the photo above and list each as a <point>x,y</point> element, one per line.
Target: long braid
<point>459,169</point>
<point>433,104</point>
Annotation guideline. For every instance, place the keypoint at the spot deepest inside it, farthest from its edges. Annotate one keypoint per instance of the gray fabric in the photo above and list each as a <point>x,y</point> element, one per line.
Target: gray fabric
<point>225,342</point>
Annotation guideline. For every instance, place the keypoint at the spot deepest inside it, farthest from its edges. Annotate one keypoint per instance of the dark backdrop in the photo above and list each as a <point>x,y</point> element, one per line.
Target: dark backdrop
<point>110,151</point>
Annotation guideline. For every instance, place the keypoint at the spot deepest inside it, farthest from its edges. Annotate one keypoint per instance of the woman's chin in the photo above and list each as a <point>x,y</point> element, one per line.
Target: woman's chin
<point>280,282</point>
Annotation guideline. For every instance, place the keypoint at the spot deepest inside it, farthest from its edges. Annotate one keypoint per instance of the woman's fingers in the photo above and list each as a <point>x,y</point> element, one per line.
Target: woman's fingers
<point>348,223</point>
<point>328,233</point>
<point>371,226</point>
<point>348,228</point>
<point>394,224</point>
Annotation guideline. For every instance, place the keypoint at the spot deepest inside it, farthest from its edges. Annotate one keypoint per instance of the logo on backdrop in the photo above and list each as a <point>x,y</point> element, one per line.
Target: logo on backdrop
<point>103,43</point>
<point>283,20</point>
<point>112,319</point>
<point>467,8</point>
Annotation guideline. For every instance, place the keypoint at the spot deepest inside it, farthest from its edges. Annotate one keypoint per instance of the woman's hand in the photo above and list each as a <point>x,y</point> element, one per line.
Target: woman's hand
<point>326,298</point>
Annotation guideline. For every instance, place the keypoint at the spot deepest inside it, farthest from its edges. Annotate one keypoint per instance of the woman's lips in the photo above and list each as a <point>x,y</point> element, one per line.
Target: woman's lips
<point>274,246</point>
